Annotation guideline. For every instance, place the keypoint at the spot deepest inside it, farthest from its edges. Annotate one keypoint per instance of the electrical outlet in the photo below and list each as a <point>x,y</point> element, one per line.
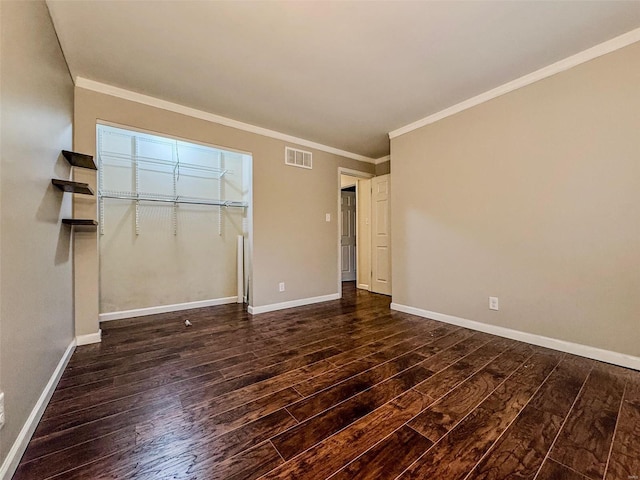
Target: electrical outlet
<point>281,286</point>
<point>493,303</point>
<point>1,409</point>
<point>327,217</point>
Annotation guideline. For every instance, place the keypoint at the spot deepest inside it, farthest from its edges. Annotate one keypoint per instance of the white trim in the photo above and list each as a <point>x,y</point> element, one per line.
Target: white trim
<point>545,72</point>
<point>293,303</point>
<point>594,353</point>
<point>100,87</point>
<point>248,276</point>
<point>176,307</point>
<point>11,462</point>
<point>353,173</point>
<point>380,160</point>
<point>363,286</point>
<point>89,338</point>
<point>240,268</point>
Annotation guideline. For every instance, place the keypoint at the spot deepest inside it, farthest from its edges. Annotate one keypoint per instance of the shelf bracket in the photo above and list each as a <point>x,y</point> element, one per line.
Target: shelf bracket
<point>134,141</point>
<point>176,177</point>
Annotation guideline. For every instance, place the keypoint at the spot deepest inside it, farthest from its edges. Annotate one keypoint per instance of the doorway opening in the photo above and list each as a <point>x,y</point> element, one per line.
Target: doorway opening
<point>348,221</point>
<point>353,228</point>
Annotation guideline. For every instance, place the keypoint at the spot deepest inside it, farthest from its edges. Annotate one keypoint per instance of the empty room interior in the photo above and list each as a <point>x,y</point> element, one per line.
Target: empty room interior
<point>320,240</point>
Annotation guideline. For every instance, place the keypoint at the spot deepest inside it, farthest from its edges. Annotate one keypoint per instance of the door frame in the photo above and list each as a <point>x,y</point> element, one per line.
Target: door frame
<point>351,173</point>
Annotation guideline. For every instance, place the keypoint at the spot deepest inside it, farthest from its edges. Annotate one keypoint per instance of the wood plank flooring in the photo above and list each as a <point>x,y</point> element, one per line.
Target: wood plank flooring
<point>343,390</point>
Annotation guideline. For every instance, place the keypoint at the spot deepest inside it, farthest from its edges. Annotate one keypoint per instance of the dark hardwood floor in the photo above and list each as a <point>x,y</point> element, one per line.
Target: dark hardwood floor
<point>345,389</point>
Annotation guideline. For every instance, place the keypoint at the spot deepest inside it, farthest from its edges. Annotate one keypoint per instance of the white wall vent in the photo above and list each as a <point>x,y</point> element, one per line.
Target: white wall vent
<point>297,158</point>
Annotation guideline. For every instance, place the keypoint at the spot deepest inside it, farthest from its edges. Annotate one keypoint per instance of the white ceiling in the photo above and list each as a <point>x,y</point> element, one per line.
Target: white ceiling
<point>343,74</point>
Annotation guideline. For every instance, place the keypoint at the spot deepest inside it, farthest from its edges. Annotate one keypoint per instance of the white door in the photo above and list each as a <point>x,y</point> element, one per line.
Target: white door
<point>348,236</point>
<point>380,235</point>
<point>363,250</point>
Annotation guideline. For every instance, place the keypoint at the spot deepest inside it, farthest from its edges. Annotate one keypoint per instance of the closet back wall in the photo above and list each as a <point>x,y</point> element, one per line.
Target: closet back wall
<point>179,254</point>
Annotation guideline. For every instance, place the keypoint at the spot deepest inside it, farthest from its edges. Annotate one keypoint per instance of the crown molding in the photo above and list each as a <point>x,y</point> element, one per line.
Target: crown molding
<point>106,89</point>
<point>609,46</point>
<point>380,160</point>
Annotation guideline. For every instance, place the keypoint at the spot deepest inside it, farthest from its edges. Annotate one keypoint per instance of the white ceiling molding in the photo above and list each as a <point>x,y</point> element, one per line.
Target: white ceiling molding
<point>609,46</point>
<point>380,160</point>
<point>99,87</point>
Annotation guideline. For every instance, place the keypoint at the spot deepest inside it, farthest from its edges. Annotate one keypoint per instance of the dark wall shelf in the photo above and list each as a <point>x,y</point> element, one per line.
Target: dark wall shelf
<point>79,159</point>
<point>83,161</point>
<point>85,222</point>
<point>73,187</point>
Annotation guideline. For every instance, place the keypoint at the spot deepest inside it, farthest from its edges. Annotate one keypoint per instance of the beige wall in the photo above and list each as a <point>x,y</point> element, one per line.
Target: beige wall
<point>36,308</point>
<point>383,168</point>
<point>291,240</point>
<point>533,197</point>
<point>85,260</point>
<point>2,452</point>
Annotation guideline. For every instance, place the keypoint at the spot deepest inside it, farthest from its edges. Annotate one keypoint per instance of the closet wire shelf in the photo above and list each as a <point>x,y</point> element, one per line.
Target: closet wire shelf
<point>174,167</point>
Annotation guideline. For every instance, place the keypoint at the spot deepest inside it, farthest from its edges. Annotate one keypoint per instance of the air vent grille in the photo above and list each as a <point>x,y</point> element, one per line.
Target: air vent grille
<point>297,158</point>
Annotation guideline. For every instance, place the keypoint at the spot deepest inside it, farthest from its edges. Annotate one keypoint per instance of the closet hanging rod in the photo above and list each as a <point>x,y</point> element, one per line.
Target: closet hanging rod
<point>181,200</point>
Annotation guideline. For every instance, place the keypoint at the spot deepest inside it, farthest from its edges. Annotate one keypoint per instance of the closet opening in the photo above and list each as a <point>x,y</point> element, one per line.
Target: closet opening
<point>175,225</point>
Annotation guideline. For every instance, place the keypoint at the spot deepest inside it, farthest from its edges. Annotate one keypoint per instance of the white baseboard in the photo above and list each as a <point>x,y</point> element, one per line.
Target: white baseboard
<point>293,303</point>
<point>139,312</point>
<point>89,338</point>
<point>10,463</point>
<point>363,286</point>
<point>594,353</point>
